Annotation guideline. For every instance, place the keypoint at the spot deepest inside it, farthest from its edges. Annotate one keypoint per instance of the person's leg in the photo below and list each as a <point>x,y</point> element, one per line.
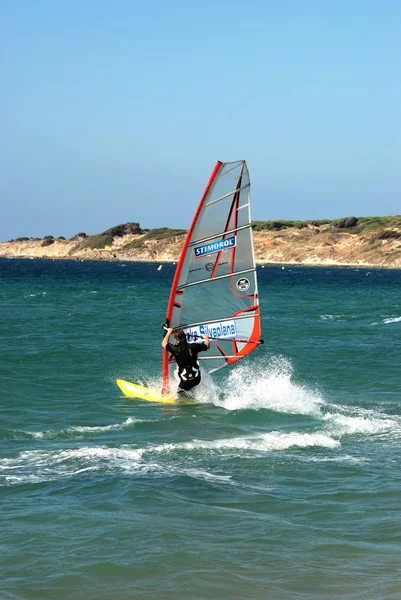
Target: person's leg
<point>184,387</point>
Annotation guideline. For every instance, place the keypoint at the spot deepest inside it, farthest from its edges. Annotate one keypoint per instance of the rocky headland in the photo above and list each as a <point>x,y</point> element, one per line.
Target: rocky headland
<point>352,241</point>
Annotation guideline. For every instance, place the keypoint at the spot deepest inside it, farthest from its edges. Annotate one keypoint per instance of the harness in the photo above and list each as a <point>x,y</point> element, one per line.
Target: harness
<point>188,367</point>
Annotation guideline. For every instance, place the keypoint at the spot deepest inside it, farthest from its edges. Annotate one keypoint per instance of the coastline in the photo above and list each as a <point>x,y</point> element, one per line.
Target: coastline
<point>259,263</point>
<point>321,246</point>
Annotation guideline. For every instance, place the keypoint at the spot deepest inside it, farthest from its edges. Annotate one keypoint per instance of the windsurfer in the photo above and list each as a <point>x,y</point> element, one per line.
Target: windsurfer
<point>186,357</point>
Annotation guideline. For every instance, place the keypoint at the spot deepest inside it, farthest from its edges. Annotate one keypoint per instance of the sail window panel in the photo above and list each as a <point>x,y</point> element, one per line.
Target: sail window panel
<point>228,232</point>
<point>216,215</point>
<point>232,169</point>
<point>213,219</point>
<point>208,266</point>
<point>214,223</point>
<point>245,327</point>
<point>212,264</point>
<point>227,181</point>
<point>218,349</point>
<point>216,264</point>
<point>212,301</point>
<point>243,257</point>
<point>220,263</point>
<point>230,178</point>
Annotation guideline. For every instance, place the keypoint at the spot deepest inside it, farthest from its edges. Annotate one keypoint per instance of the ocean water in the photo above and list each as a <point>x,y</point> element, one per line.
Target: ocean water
<point>283,483</point>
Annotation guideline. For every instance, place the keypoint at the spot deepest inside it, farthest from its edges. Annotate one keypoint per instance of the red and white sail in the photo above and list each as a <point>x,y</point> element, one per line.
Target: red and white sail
<point>215,290</point>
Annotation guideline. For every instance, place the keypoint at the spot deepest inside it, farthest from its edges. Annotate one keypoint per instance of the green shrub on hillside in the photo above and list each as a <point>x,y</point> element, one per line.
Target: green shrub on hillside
<point>346,223</point>
<point>162,233</point>
<point>97,241</point>
<point>123,229</point>
<point>374,223</point>
<point>106,238</point>
<point>388,234</point>
<point>135,244</point>
<point>318,222</point>
<point>78,236</point>
<point>274,225</point>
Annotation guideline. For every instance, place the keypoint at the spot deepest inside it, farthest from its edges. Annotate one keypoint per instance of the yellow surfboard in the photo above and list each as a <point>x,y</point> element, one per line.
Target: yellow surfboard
<point>132,390</point>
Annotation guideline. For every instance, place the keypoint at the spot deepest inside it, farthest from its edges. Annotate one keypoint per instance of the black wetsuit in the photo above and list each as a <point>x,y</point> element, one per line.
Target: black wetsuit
<point>186,357</point>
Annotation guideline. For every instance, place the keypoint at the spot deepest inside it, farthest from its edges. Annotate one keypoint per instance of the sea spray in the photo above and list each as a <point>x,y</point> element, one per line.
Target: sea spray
<point>267,383</point>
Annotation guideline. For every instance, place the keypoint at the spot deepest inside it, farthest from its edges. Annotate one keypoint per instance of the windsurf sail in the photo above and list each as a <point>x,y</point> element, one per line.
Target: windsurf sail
<point>215,290</point>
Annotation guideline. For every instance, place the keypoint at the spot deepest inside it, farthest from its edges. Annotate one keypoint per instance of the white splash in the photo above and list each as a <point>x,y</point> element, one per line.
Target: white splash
<point>392,320</point>
<point>265,442</point>
<point>358,421</point>
<point>388,321</point>
<point>42,465</point>
<point>35,295</point>
<point>268,384</point>
<point>85,429</point>
<point>332,317</point>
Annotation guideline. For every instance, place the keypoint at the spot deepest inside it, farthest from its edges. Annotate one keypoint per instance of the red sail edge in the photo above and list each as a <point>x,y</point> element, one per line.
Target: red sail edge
<point>177,275</point>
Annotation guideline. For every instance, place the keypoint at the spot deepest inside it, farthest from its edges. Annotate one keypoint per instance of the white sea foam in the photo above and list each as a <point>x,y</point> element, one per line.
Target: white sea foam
<point>35,295</point>
<point>259,384</point>
<point>265,442</point>
<point>338,459</point>
<point>86,429</point>
<point>392,320</point>
<point>359,421</point>
<point>37,466</point>
<point>42,465</point>
<point>332,317</point>
<point>203,394</point>
<point>388,321</point>
<point>268,384</point>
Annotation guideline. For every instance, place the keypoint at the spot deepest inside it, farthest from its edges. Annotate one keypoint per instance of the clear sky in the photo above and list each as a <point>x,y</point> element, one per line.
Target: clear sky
<point>116,111</point>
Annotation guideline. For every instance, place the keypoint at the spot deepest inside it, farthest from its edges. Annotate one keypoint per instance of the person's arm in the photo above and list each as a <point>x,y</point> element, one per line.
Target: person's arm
<point>207,341</point>
<point>167,337</point>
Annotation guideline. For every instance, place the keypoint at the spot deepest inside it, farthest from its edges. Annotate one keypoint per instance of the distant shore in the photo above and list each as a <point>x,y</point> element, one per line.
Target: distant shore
<point>364,266</point>
<point>367,242</point>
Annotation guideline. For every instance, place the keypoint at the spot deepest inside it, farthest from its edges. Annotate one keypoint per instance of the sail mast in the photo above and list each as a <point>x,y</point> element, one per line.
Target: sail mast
<point>173,291</point>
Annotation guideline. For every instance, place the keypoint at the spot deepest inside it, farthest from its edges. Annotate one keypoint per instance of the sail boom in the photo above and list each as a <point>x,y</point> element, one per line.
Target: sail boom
<point>217,357</point>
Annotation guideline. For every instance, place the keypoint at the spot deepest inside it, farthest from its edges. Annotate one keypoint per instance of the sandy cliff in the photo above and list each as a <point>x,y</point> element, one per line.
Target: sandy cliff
<point>307,245</point>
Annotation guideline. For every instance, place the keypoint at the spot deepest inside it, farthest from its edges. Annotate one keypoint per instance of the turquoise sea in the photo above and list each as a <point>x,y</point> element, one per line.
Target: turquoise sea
<point>283,483</point>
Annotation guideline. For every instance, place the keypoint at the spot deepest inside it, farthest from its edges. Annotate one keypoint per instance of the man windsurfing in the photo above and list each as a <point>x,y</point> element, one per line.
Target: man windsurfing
<point>186,357</point>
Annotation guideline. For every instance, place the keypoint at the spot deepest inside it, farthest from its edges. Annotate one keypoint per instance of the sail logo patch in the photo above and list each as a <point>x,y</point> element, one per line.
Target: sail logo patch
<point>220,331</point>
<point>217,246</point>
<point>243,284</point>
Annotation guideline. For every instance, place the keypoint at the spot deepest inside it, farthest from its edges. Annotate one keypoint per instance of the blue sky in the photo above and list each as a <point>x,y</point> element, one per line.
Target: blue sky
<point>117,111</point>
